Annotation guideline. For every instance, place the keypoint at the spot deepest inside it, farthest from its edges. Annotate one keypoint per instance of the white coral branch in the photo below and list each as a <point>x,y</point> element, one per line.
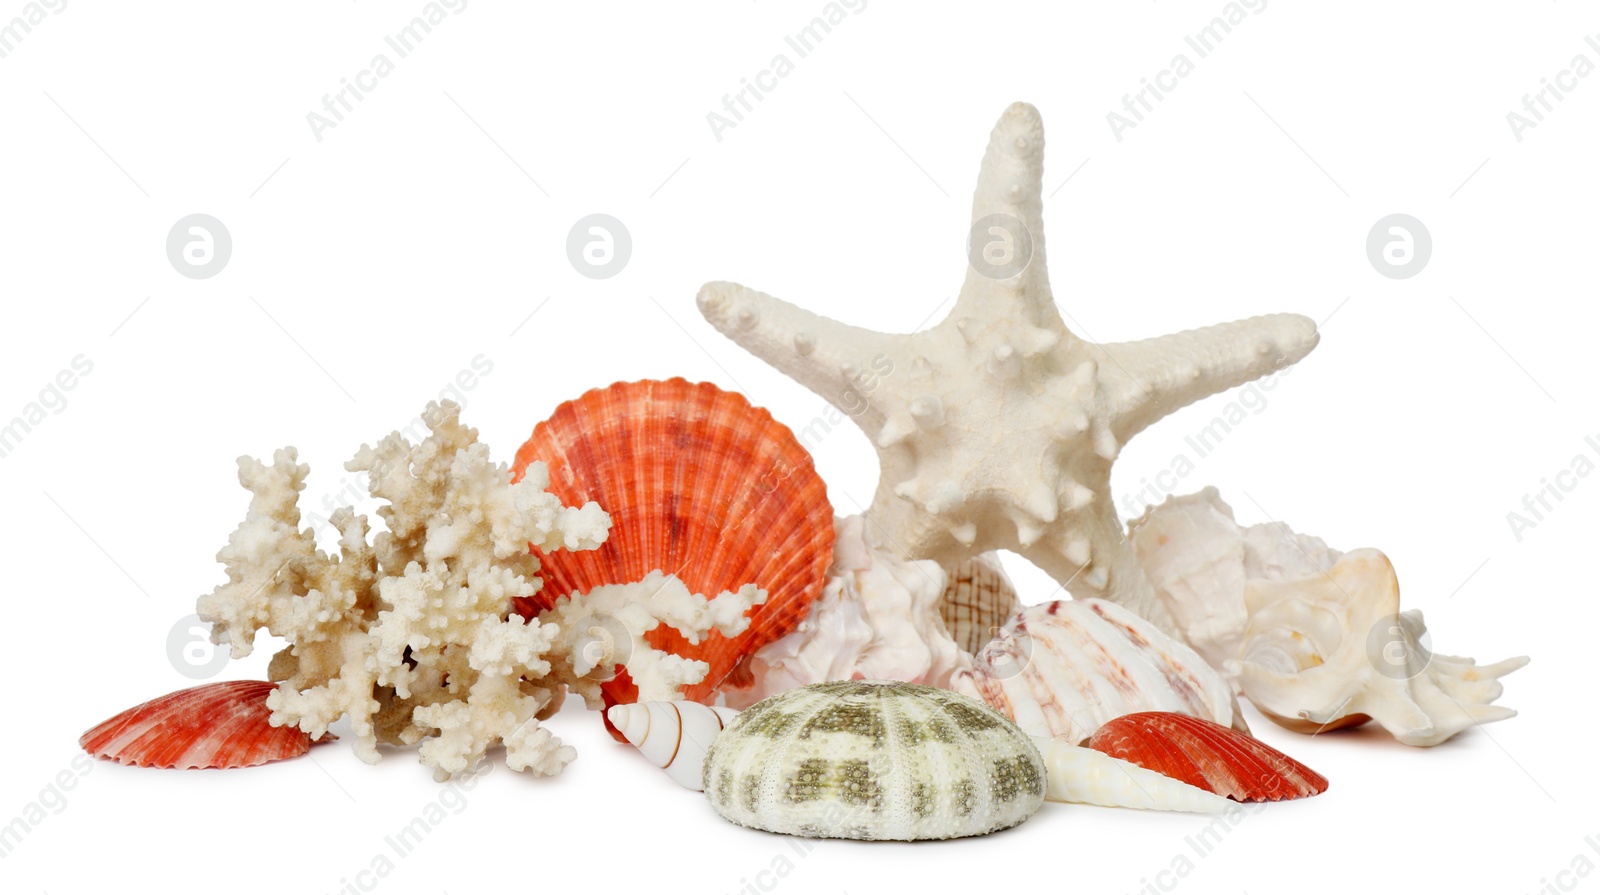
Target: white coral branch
<point>606,627</point>
<point>407,636</point>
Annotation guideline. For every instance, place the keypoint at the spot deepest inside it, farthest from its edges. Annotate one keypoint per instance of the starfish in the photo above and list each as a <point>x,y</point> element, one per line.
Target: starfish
<point>997,427</point>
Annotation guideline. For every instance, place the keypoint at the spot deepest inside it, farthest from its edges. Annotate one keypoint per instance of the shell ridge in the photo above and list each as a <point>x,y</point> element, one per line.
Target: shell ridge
<point>1047,667</point>
<point>1183,686</point>
<point>220,725</point>
<point>675,464</point>
<point>1208,755</point>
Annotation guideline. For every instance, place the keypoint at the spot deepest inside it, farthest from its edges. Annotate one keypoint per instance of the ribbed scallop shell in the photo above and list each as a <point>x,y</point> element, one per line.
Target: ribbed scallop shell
<point>1207,755</point>
<point>212,726</point>
<point>699,484</point>
<point>1063,669</point>
<point>978,601</point>
<point>874,760</point>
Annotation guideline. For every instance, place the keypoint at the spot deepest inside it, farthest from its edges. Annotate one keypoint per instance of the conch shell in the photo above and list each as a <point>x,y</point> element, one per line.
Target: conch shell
<point>1063,669</point>
<point>1333,650</point>
<point>877,619</point>
<point>1313,637</point>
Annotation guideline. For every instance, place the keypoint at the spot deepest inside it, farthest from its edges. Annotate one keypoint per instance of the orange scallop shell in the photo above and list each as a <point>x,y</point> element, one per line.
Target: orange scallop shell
<point>1205,754</point>
<point>212,726</point>
<point>699,484</point>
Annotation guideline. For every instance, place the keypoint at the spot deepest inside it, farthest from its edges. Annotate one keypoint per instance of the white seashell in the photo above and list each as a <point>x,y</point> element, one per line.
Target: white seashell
<point>1314,637</point>
<point>1063,669</point>
<point>1199,559</point>
<point>674,735</point>
<point>874,760</point>
<point>1334,650</point>
<point>977,602</point>
<point>877,618</point>
<point>1087,777</point>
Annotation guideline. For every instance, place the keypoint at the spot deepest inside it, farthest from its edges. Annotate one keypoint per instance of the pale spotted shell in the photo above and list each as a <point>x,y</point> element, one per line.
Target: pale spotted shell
<point>874,760</point>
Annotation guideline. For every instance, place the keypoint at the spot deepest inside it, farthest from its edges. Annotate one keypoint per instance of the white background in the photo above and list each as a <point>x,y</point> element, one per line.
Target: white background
<point>371,266</point>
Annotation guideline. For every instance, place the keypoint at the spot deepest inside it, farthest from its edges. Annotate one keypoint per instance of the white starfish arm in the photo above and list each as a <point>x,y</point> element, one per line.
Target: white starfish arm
<point>1009,273</point>
<point>1011,176</point>
<point>841,363</point>
<point>1091,559</point>
<point>1148,379</point>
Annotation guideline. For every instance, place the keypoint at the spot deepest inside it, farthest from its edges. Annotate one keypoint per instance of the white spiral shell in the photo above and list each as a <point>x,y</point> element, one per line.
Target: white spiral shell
<point>874,760</point>
<point>1088,777</point>
<point>674,735</point>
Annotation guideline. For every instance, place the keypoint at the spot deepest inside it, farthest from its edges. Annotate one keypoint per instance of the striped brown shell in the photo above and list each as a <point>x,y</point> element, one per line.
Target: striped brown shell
<point>978,600</point>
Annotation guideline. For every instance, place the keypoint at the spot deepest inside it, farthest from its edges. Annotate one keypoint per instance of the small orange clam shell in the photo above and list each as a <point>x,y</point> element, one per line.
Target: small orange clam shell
<point>699,484</point>
<point>1205,754</point>
<point>212,726</point>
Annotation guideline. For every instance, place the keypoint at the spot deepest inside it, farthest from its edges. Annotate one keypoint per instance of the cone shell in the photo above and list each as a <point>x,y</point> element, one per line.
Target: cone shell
<point>874,760</point>
<point>1087,777</point>
<point>978,600</point>
<point>674,735</point>
<point>1207,755</point>
<point>699,484</point>
<point>1063,669</point>
<point>213,726</point>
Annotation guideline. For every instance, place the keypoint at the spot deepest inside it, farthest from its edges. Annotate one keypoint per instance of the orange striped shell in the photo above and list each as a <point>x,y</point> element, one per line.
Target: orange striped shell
<point>699,484</point>
<point>220,725</point>
<point>1205,754</point>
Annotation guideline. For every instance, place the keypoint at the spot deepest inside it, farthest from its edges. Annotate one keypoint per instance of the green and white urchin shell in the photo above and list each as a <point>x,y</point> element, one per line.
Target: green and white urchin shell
<point>874,760</point>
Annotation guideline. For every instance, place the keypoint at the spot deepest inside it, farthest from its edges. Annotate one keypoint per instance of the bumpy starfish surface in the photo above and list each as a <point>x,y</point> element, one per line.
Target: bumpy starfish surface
<point>997,427</point>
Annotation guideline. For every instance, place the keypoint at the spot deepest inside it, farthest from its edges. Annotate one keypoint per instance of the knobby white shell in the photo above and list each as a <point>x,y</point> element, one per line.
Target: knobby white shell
<point>1199,559</point>
<point>878,619</point>
<point>1063,669</point>
<point>874,760</point>
<point>1314,637</point>
<point>1088,777</point>
<point>1333,650</point>
<point>674,735</point>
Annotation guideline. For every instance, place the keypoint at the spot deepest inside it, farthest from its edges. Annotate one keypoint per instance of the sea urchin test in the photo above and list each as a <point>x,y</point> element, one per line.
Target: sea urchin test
<point>874,760</point>
<point>846,777</point>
